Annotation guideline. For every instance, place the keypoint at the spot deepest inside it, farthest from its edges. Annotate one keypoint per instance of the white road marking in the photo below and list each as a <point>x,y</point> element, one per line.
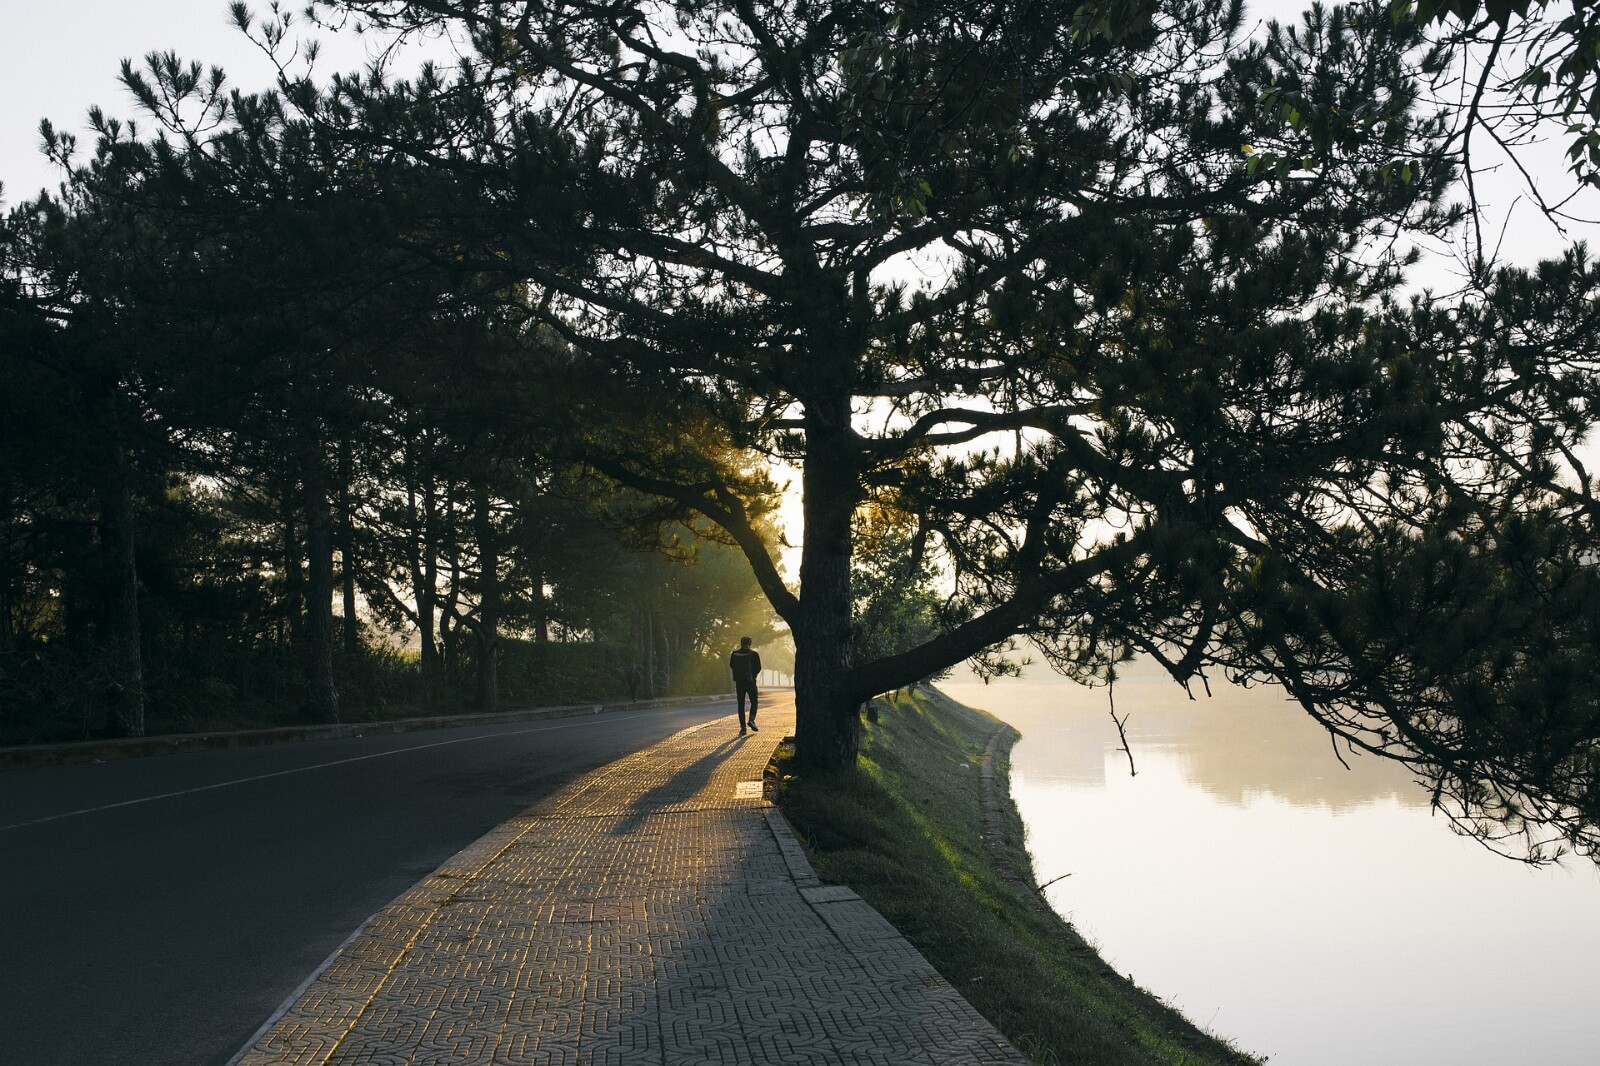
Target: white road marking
<point>314,766</point>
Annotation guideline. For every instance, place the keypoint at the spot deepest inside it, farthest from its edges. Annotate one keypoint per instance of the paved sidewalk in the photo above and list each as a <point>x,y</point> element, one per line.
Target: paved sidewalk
<point>656,911</point>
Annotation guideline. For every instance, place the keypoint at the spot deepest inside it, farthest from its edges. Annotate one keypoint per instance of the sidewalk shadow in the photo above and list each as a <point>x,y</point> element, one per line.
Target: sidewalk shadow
<point>681,786</point>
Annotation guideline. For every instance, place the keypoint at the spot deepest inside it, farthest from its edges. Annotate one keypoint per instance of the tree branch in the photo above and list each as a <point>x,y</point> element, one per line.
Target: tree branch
<point>726,510</point>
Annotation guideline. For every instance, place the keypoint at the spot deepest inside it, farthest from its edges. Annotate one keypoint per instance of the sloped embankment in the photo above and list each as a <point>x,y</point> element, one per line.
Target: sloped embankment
<point>912,832</point>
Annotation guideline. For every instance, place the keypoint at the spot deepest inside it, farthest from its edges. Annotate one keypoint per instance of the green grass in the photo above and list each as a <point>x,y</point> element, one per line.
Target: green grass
<point>905,831</point>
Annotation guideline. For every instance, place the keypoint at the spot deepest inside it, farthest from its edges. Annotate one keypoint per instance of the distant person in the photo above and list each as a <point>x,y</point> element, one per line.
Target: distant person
<point>745,665</point>
<point>634,680</point>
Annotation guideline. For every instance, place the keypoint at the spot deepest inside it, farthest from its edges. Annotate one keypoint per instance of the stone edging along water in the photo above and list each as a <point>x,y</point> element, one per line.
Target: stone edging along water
<point>139,747</point>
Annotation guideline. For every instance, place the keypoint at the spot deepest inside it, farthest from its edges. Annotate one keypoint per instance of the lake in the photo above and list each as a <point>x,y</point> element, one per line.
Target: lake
<point>1310,913</point>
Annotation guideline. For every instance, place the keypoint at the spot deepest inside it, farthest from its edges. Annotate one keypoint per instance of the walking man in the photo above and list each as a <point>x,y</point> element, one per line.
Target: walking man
<point>745,665</point>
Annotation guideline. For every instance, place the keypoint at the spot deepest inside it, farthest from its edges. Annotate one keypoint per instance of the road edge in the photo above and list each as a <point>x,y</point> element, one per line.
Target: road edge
<point>30,755</point>
<point>294,997</point>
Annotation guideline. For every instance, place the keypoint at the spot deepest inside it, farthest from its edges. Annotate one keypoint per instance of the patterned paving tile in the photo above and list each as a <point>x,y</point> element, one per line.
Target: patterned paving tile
<point>657,912</point>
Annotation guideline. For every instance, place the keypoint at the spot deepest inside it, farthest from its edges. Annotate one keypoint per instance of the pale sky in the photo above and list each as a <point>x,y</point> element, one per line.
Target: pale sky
<point>59,59</point>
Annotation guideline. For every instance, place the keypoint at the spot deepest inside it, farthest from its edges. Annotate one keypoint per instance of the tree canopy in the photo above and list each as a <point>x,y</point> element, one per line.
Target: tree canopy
<point>229,415</point>
<point>1100,312</point>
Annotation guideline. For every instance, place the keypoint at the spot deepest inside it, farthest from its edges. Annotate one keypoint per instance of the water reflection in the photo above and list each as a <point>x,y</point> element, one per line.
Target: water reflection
<point>1235,744</point>
<point>1317,915</point>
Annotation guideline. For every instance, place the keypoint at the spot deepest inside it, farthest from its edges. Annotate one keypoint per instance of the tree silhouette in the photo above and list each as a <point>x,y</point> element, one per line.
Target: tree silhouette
<point>1137,369</point>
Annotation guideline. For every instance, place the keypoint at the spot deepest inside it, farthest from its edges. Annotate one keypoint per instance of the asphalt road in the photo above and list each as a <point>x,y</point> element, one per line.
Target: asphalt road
<point>157,911</point>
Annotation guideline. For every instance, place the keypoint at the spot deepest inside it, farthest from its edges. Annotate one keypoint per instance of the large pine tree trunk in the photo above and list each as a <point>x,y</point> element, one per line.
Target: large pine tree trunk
<point>647,641</point>
<point>488,604</point>
<point>449,617</point>
<point>293,567</point>
<point>78,596</point>
<point>322,697</point>
<point>541,603</point>
<point>121,590</point>
<point>428,601</point>
<point>424,565</point>
<point>347,549</point>
<point>666,657</point>
<point>827,727</point>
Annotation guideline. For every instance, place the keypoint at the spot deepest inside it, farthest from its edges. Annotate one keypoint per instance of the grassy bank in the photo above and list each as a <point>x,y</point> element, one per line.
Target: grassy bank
<point>907,833</point>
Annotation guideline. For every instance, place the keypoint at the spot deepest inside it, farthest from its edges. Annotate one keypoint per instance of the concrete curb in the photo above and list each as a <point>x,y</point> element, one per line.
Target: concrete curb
<point>794,853</point>
<point>305,986</point>
<point>140,747</point>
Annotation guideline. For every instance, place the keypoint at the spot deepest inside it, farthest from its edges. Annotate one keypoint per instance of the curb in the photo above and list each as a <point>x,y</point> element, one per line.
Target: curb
<point>304,987</point>
<point>140,747</point>
<point>794,853</point>
<point>771,776</point>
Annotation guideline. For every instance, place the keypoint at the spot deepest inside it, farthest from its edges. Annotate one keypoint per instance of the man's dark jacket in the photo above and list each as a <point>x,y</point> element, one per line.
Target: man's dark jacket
<point>746,666</point>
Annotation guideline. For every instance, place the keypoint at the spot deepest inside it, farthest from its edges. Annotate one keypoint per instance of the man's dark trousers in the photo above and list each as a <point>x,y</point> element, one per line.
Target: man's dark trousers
<point>741,690</point>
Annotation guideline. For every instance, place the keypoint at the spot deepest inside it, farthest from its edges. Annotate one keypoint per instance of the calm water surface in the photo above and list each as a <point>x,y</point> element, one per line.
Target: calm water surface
<point>1310,913</point>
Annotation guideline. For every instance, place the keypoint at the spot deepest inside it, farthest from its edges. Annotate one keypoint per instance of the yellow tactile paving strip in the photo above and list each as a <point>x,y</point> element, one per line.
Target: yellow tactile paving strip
<point>645,914</point>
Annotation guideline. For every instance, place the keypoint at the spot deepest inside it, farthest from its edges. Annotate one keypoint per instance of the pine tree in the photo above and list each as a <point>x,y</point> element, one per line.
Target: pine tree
<point>1126,344</point>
